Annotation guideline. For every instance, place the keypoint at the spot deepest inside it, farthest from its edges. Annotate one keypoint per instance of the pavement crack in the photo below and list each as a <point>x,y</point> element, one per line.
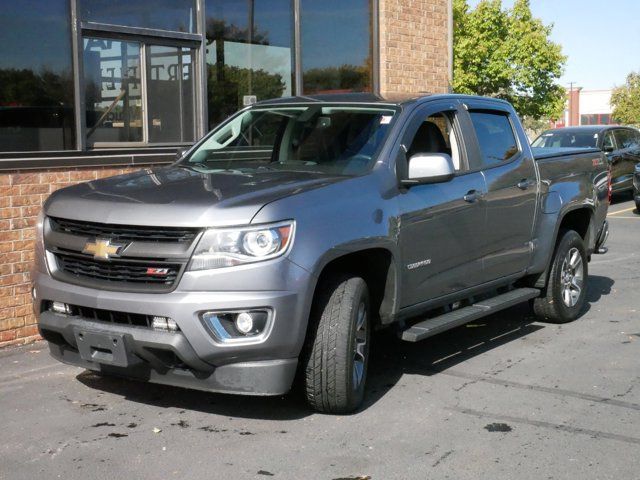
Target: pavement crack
<point>549,425</point>
<point>554,391</point>
<point>442,458</point>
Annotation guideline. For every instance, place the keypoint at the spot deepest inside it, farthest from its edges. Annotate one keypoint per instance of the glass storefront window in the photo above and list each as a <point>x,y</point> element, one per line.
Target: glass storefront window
<point>113,95</point>
<point>36,79</point>
<point>336,46</point>
<point>176,15</point>
<point>249,53</point>
<point>171,94</point>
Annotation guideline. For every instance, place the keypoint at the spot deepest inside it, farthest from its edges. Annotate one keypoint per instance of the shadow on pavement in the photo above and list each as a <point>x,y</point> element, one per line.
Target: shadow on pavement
<point>391,359</point>
<point>288,407</point>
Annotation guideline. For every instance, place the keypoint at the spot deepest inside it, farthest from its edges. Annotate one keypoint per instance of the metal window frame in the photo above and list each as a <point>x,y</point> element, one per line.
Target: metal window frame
<point>145,37</point>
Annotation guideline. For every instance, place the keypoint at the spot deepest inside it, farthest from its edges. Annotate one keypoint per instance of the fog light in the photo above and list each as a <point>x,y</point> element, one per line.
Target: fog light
<point>244,322</point>
<point>248,326</point>
<point>165,324</point>
<point>60,307</point>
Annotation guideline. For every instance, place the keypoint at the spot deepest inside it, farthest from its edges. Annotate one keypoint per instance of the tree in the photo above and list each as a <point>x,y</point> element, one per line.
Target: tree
<point>507,54</point>
<point>625,101</point>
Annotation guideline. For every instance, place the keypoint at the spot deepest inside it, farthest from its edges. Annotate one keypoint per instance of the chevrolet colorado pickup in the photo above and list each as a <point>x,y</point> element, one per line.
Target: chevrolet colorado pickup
<point>279,241</point>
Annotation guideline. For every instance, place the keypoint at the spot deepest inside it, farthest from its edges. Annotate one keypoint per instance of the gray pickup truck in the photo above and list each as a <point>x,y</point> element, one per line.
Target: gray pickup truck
<point>278,242</point>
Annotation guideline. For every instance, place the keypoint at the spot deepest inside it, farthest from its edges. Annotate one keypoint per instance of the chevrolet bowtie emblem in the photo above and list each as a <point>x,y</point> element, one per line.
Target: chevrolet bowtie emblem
<point>101,249</point>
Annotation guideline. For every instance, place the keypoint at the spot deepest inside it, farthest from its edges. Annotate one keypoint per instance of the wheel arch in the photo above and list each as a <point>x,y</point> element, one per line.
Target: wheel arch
<point>579,218</point>
<point>377,266</point>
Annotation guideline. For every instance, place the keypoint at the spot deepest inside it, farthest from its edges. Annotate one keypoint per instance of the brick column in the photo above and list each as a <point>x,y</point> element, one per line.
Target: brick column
<point>415,54</point>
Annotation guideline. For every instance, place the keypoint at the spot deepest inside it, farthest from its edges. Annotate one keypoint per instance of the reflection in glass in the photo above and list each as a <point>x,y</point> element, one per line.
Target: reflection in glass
<point>112,90</point>
<point>336,46</point>
<point>170,93</point>
<point>36,82</point>
<point>249,53</point>
<point>177,15</point>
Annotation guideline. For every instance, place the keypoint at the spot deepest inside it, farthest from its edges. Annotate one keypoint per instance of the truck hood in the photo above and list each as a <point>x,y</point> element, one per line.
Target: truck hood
<point>180,196</point>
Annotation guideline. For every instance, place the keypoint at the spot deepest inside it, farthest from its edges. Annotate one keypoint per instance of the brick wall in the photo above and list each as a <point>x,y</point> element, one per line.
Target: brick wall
<point>414,47</point>
<point>21,197</point>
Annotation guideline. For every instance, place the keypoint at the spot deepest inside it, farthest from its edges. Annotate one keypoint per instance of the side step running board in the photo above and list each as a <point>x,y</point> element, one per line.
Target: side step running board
<point>433,326</point>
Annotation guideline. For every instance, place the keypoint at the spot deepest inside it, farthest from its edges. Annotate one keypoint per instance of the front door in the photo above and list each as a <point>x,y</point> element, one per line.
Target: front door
<point>441,225</point>
<point>512,190</point>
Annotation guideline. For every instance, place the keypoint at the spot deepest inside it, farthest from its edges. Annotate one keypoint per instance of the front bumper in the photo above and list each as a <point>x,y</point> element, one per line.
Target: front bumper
<point>191,357</point>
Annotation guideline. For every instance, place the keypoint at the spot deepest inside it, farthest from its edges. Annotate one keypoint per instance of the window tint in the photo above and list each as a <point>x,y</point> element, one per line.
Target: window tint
<point>170,94</point>
<point>113,93</point>
<point>337,45</point>
<point>566,139</point>
<point>626,138</point>
<point>495,135</point>
<point>178,15</point>
<point>36,80</point>
<point>437,135</point>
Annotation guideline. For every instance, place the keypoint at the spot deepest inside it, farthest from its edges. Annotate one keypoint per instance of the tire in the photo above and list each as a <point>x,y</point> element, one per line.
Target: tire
<point>565,294</point>
<point>335,368</point>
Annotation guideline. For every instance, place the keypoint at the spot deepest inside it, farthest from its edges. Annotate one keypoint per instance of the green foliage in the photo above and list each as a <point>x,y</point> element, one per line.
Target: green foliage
<point>625,101</point>
<point>507,54</point>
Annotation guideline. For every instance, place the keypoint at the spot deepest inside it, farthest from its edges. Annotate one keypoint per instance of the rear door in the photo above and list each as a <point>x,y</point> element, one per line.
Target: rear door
<point>442,224</point>
<point>504,158</point>
<point>626,157</point>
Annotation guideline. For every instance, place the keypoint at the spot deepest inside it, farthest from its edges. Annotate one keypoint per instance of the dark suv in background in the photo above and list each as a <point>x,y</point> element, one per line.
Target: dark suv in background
<point>620,144</point>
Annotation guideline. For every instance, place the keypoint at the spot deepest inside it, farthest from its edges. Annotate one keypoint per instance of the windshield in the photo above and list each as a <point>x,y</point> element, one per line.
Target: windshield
<point>315,138</point>
<point>567,140</point>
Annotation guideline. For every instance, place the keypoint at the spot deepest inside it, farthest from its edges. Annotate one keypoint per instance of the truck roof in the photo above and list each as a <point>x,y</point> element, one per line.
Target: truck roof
<point>368,99</point>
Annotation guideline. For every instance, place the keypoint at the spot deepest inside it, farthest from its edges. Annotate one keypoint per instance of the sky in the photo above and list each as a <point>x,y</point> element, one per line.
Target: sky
<point>601,39</point>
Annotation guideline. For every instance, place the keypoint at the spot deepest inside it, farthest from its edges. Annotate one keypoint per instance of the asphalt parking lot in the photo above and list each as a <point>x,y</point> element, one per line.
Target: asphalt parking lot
<point>502,398</point>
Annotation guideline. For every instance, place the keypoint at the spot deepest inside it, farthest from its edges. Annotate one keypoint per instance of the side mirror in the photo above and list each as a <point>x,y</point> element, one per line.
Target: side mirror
<point>180,152</point>
<point>429,168</point>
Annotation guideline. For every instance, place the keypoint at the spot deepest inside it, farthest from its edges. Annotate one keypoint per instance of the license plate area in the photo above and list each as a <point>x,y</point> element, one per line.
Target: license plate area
<point>104,348</point>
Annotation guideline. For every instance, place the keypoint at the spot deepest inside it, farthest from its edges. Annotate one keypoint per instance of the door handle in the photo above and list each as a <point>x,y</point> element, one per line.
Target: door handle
<point>523,184</point>
<point>471,196</point>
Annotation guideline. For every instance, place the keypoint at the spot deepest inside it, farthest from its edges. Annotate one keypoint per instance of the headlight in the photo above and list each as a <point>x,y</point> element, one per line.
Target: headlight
<point>228,247</point>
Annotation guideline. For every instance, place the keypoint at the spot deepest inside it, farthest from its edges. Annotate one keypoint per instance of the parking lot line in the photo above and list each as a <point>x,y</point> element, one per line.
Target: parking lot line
<point>622,211</point>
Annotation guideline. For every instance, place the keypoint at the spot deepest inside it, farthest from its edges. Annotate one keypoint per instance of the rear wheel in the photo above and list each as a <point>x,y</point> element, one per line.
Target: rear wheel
<point>565,294</point>
<point>336,363</point>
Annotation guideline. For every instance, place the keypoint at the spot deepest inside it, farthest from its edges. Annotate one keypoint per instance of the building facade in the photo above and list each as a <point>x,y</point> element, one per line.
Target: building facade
<point>93,88</point>
<point>586,107</point>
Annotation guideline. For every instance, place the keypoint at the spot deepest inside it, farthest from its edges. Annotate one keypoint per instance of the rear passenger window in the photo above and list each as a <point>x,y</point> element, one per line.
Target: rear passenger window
<point>626,139</point>
<point>496,138</point>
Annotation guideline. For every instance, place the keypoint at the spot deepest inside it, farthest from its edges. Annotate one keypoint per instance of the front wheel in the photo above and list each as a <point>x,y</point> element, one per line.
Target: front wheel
<point>336,363</point>
<point>566,291</point>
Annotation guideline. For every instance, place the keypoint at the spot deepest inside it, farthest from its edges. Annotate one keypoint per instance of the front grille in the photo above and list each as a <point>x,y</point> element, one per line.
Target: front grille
<point>118,271</point>
<point>121,318</point>
<point>123,233</point>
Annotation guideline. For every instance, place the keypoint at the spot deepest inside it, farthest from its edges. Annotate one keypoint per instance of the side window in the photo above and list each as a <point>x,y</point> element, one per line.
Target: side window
<point>607,143</point>
<point>624,138</point>
<point>437,135</point>
<point>496,138</point>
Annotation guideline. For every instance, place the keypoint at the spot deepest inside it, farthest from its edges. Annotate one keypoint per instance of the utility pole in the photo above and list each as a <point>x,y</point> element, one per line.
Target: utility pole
<point>570,119</point>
